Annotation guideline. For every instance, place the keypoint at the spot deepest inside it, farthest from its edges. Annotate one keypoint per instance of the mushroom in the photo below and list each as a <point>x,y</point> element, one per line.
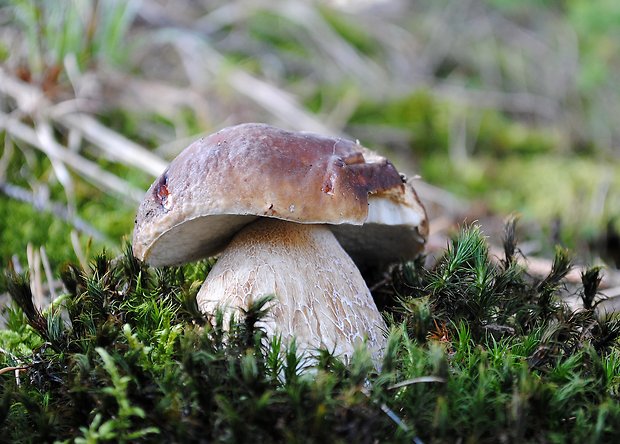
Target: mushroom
<point>290,214</point>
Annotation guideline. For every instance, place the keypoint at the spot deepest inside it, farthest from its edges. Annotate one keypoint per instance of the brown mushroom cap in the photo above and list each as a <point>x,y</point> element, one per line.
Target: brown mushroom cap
<point>222,182</point>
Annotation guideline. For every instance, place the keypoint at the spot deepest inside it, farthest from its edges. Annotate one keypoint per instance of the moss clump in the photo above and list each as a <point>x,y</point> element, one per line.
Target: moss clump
<point>477,351</point>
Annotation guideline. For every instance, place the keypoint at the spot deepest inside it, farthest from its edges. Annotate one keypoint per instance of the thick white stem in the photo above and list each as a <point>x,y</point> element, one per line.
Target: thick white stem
<point>321,297</point>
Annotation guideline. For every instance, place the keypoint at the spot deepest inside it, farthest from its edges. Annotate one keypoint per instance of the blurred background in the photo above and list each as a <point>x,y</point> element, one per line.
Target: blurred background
<point>501,107</point>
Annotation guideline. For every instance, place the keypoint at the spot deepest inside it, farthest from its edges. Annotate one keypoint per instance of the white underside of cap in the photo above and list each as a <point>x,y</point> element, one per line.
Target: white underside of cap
<point>387,212</point>
<point>195,238</point>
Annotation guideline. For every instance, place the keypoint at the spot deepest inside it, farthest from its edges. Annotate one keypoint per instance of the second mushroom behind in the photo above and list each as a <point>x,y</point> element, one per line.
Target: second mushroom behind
<point>290,214</point>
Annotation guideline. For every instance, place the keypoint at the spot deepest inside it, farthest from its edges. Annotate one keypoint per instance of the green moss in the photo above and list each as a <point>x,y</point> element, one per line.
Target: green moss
<point>20,224</point>
<point>54,30</point>
<point>428,121</point>
<point>22,343</point>
<point>499,136</point>
<point>478,351</point>
<point>581,192</point>
<point>422,116</point>
<point>569,187</point>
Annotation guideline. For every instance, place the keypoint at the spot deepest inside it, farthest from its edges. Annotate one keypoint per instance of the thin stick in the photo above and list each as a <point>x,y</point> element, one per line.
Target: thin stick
<point>421,379</point>
<point>79,253</point>
<point>11,369</point>
<point>30,260</point>
<point>34,266</point>
<point>39,297</point>
<point>7,155</point>
<point>48,274</point>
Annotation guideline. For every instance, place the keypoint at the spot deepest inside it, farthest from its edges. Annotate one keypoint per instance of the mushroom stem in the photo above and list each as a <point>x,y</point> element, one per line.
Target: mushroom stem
<point>321,297</point>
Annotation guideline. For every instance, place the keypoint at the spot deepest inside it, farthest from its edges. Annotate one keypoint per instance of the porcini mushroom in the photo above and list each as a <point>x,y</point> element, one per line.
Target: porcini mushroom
<point>281,208</point>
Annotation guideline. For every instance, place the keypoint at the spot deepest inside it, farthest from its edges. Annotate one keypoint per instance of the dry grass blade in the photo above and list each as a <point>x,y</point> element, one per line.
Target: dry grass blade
<point>388,411</point>
<point>521,102</point>
<point>79,253</point>
<point>34,268</point>
<point>421,379</point>
<point>195,52</point>
<point>84,167</point>
<point>12,369</point>
<point>5,159</point>
<point>450,204</point>
<point>612,292</point>
<point>29,99</point>
<point>340,52</point>
<point>277,102</point>
<point>117,146</point>
<point>48,274</point>
<point>45,135</point>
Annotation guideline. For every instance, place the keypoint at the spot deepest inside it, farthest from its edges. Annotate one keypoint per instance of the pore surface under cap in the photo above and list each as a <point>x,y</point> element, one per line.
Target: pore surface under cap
<point>224,181</point>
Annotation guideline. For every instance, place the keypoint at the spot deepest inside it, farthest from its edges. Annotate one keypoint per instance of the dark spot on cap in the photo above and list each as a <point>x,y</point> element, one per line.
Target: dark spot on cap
<point>160,191</point>
<point>328,186</point>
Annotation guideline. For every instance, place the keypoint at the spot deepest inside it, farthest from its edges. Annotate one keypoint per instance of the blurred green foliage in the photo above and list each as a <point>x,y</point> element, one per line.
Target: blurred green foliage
<point>20,222</point>
<point>54,30</point>
<point>351,31</point>
<point>510,166</point>
<point>36,222</point>
<point>597,26</point>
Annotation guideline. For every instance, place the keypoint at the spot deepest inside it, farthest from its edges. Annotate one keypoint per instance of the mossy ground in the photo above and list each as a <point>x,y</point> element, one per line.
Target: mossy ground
<point>478,351</point>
